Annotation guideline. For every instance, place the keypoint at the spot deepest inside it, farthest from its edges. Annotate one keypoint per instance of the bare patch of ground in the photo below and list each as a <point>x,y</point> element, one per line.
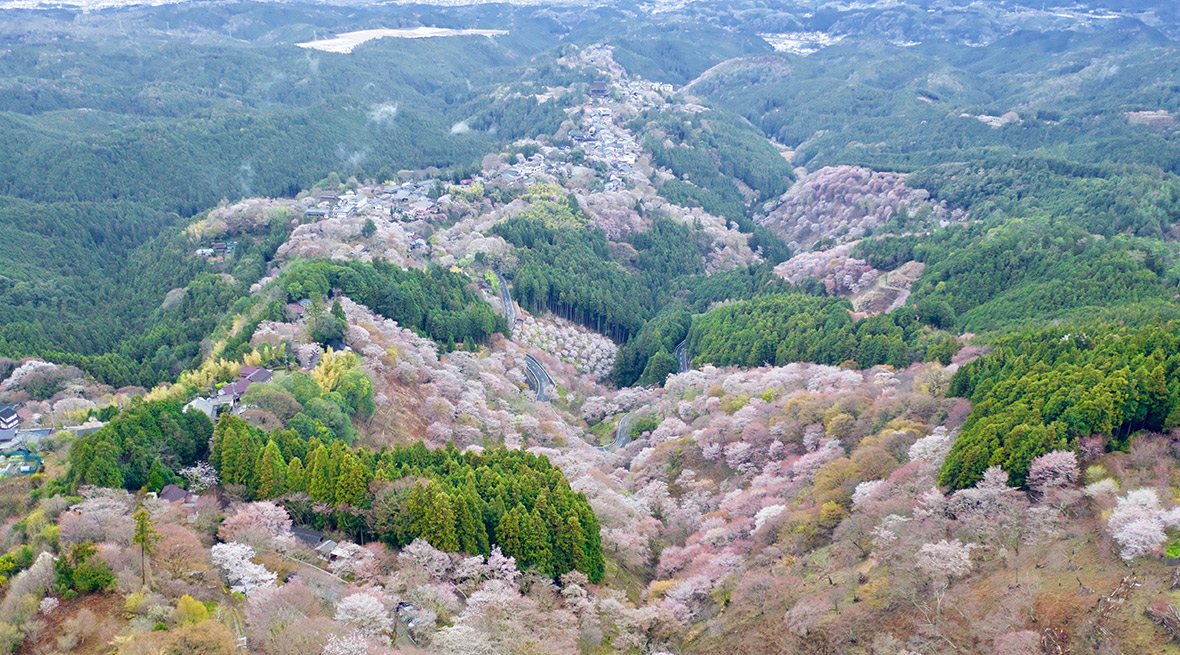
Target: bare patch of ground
<point>890,291</point>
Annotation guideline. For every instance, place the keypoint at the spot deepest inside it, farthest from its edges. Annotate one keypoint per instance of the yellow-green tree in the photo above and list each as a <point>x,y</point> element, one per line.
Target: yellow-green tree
<point>296,477</point>
<point>190,611</point>
<point>439,524</point>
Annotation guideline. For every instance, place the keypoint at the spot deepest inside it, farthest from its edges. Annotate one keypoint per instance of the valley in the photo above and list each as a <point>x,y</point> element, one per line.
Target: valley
<point>523,328</point>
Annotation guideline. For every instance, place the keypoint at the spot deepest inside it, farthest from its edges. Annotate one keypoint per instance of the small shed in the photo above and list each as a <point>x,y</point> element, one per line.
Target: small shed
<point>325,548</point>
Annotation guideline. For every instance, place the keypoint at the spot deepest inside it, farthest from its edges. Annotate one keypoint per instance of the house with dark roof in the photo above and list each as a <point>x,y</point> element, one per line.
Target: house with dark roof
<point>325,548</point>
<point>8,418</point>
<point>255,374</point>
<point>209,406</point>
<point>310,538</point>
<point>231,393</point>
<point>8,424</point>
<point>177,496</point>
<point>246,377</point>
<point>234,390</point>
<point>173,494</point>
<point>186,501</point>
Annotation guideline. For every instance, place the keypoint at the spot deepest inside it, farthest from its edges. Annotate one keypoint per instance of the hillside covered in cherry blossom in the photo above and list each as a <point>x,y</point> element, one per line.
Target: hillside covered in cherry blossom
<point>550,328</point>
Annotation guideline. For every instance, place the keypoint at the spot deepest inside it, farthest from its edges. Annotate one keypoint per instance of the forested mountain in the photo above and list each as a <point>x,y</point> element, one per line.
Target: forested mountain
<point>539,327</point>
<point>98,181</point>
<point>570,273</point>
<point>1042,392</point>
<point>433,302</point>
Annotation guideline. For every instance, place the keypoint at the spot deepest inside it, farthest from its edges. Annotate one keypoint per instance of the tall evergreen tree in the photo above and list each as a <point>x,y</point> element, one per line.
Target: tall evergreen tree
<point>247,471</point>
<point>103,469</point>
<point>320,485</point>
<point>414,510</point>
<point>272,472</point>
<point>508,534</point>
<point>465,525</point>
<point>440,524</point>
<point>569,541</point>
<point>144,536</point>
<point>534,536</point>
<point>352,483</point>
<point>159,475</point>
<point>296,479</point>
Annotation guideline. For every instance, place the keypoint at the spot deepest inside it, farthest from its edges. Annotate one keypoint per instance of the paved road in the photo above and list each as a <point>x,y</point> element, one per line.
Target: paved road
<point>506,300</point>
<point>622,434</point>
<point>27,437</point>
<point>681,353</point>
<point>539,376</point>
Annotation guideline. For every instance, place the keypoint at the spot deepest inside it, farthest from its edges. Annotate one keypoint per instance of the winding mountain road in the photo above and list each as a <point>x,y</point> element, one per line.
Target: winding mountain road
<point>622,434</point>
<point>623,431</point>
<point>539,376</point>
<point>681,354</point>
<point>506,300</point>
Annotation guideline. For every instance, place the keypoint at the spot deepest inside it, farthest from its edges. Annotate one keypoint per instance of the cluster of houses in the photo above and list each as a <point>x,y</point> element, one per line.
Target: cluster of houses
<point>230,395</point>
<point>15,439</point>
<point>600,136</point>
<point>616,148</point>
<point>330,205</point>
<point>411,200</point>
<point>405,201</point>
<point>549,161</point>
<point>643,95</point>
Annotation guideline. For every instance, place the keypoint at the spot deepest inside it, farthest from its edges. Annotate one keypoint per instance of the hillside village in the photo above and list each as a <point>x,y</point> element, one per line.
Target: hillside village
<point>421,220</point>
<point>334,455</point>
